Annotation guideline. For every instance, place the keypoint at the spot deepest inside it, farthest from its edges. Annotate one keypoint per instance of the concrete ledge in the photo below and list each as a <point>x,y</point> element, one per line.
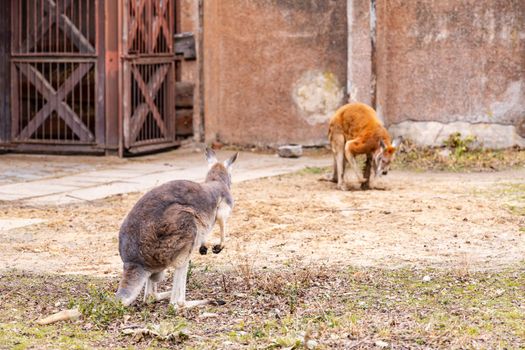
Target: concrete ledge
<point>490,135</point>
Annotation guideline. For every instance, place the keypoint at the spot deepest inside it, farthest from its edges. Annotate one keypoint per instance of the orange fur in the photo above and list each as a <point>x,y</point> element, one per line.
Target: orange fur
<point>358,122</point>
<point>354,130</point>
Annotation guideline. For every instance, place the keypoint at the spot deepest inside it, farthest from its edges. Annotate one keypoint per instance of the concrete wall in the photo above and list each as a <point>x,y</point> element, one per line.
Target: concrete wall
<point>453,65</point>
<point>275,70</point>
<point>359,51</point>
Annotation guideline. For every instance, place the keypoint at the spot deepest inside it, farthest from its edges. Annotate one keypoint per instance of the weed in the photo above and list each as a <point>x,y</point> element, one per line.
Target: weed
<point>101,307</point>
<point>458,144</point>
<point>313,170</point>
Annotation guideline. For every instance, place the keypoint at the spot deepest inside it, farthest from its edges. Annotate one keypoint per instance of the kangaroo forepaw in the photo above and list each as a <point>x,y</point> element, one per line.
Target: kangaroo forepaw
<point>203,250</point>
<point>217,248</point>
<point>365,185</point>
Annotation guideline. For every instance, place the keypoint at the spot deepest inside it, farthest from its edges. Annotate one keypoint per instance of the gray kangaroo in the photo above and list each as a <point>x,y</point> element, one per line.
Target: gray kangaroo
<point>165,226</point>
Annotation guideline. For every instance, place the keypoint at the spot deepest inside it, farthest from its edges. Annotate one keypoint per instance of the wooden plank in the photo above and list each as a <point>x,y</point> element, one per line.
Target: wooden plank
<point>15,101</point>
<point>185,45</point>
<point>153,147</point>
<point>57,148</point>
<point>184,122</point>
<point>184,94</point>
<point>5,72</point>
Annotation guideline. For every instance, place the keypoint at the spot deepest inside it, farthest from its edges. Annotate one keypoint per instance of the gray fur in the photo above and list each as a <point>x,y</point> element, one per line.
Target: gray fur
<point>167,223</point>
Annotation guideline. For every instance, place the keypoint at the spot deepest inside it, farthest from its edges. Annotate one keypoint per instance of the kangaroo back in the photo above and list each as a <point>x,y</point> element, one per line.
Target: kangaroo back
<point>359,122</point>
<point>355,129</point>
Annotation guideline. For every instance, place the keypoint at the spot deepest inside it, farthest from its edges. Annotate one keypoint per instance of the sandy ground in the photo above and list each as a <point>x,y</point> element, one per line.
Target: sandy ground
<point>459,221</point>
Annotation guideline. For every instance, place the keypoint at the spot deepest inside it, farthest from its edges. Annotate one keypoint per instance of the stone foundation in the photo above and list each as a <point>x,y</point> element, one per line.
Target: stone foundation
<point>489,135</point>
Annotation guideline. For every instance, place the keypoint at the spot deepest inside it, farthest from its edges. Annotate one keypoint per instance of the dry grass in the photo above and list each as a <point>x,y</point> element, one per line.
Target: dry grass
<point>457,158</point>
<point>280,308</point>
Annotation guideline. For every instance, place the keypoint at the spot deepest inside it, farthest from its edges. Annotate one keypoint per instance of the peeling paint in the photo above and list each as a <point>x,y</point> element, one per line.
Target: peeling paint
<point>317,96</point>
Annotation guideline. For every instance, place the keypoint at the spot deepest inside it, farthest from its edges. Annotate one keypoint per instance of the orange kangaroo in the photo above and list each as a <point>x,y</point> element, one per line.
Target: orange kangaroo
<point>354,130</point>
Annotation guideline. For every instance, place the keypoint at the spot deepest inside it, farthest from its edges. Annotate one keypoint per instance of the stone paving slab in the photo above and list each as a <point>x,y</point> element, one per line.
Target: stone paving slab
<point>11,223</point>
<point>87,180</point>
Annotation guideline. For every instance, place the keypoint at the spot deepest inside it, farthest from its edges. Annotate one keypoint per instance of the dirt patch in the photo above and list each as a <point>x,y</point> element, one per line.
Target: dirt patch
<point>442,220</point>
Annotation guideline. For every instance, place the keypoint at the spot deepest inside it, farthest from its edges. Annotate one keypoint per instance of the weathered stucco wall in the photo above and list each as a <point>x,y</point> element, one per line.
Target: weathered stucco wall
<point>359,51</point>
<point>275,70</point>
<point>453,63</point>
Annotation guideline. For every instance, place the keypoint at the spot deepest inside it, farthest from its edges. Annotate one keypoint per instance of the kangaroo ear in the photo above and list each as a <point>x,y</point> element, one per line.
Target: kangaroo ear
<point>382,145</point>
<point>211,157</point>
<point>397,142</point>
<point>228,163</point>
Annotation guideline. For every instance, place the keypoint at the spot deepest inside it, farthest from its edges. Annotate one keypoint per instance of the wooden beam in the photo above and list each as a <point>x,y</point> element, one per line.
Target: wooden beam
<point>5,73</point>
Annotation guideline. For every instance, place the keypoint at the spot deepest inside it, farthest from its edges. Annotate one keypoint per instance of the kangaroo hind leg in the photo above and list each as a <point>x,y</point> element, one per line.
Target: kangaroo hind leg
<point>151,285</point>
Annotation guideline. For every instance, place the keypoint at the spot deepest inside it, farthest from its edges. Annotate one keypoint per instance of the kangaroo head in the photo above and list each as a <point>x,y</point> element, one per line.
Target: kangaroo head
<point>219,171</point>
<point>384,156</point>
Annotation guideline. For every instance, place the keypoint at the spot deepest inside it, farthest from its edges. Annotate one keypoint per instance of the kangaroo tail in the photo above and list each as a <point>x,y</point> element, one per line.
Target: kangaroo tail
<point>133,279</point>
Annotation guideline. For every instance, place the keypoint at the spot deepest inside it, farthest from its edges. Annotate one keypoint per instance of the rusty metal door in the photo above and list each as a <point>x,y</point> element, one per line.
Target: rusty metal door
<point>148,75</point>
<point>55,76</point>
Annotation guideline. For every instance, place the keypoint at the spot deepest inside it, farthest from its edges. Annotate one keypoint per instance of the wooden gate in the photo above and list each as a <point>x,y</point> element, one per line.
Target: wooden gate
<point>148,75</point>
<point>56,98</point>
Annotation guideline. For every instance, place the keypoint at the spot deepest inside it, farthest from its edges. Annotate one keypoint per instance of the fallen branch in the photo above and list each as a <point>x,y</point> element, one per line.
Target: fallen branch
<point>63,315</point>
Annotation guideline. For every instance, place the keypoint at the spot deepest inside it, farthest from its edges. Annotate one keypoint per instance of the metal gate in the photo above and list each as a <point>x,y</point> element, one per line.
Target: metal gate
<point>148,75</point>
<point>56,98</point>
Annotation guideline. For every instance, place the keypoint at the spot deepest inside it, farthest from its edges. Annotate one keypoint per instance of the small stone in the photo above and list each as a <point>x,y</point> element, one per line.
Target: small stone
<point>427,278</point>
<point>381,344</point>
<point>205,315</point>
<point>290,151</point>
<point>445,153</point>
<point>311,344</point>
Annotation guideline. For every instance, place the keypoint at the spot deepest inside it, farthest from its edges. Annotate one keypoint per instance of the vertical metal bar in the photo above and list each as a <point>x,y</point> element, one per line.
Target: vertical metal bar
<point>172,113</point>
<point>57,42</point>
<point>27,30</point>
<point>42,24</point>
<point>73,69</point>
<point>15,100</point>
<point>50,119</point>
<point>49,32</point>
<point>147,123</point>
<point>88,22</point>
<point>34,34</point>
<point>71,16</point>
<point>145,128</point>
<point>27,99</point>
